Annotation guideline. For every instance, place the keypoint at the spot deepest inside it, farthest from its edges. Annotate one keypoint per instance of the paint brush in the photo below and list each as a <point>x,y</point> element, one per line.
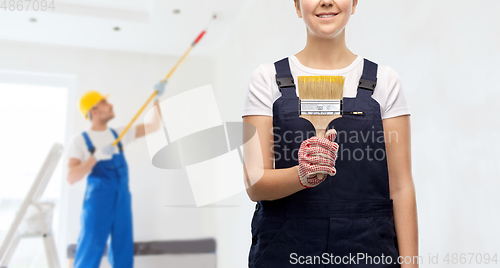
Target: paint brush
<point>320,101</point>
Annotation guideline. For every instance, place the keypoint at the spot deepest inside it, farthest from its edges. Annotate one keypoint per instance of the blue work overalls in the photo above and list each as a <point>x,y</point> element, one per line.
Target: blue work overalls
<point>106,211</point>
<point>346,214</point>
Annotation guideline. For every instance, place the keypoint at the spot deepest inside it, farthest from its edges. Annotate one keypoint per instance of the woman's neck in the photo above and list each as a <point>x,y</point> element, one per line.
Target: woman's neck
<point>326,54</point>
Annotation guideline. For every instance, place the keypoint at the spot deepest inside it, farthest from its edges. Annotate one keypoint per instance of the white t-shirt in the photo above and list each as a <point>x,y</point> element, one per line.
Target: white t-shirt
<point>78,148</point>
<point>263,90</point>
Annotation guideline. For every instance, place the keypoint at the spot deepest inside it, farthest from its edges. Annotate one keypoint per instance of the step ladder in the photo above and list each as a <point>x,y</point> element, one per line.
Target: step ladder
<point>34,218</point>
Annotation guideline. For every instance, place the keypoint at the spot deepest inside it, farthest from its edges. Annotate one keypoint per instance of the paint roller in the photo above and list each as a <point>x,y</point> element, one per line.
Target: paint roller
<point>195,42</point>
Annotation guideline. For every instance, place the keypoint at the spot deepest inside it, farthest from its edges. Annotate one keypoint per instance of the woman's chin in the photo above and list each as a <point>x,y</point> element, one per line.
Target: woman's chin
<point>327,33</point>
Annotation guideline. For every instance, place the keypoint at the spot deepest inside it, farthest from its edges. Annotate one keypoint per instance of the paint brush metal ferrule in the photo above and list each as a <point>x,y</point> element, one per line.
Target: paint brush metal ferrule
<point>320,107</point>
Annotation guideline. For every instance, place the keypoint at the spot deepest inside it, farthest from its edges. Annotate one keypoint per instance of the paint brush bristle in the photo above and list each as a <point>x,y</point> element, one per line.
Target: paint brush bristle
<point>321,87</point>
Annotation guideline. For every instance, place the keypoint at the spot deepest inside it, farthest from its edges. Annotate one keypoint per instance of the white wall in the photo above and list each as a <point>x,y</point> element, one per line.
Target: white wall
<point>129,78</point>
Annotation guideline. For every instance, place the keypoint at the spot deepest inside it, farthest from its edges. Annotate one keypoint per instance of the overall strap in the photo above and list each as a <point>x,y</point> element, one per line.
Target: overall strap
<point>116,137</point>
<point>90,146</point>
<point>284,79</point>
<point>368,80</point>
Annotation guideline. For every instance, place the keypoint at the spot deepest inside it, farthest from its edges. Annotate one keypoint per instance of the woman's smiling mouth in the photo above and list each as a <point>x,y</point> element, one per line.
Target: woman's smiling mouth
<point>326,15</point>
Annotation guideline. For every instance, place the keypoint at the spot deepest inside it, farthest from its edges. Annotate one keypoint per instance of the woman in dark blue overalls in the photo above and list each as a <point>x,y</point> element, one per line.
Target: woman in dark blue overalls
<point>363,214</point>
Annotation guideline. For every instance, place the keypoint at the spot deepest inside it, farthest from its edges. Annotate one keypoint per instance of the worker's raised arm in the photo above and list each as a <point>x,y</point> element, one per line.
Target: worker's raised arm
<point>263,181</point>
<point>153,125</point>
<point>77,170</point>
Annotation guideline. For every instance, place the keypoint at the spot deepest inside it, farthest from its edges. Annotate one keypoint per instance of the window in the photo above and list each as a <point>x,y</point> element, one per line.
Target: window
<point>33,118</point>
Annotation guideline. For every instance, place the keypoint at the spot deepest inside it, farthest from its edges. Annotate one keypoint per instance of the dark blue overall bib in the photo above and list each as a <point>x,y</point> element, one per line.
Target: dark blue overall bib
<point>106,211</point>
<point>347,214</point>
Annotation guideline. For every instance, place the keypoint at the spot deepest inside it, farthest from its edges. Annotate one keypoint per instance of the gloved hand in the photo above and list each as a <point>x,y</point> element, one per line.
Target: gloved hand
<point>317,156</point>
<point>160,87</point>
<point>104,153</point>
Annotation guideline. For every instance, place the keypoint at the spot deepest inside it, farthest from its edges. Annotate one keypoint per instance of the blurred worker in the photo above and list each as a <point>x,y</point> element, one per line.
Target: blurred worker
<point>107,203</point>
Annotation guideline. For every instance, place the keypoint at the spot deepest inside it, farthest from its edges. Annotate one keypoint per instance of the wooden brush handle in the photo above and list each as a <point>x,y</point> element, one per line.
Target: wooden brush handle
<point>320,132</point>
<point>320,122</point>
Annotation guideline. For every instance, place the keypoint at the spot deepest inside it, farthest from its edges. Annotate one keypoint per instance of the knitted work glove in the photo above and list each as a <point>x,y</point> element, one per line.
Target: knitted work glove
<point>160,87</point>
<point>317,157</point>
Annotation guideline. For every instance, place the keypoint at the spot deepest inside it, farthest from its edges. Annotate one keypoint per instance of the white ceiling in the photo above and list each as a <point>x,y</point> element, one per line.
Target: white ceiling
<point>148,26</point>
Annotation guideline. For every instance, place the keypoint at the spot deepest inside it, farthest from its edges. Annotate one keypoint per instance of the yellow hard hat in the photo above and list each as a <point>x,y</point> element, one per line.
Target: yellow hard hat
<point>89,100</point>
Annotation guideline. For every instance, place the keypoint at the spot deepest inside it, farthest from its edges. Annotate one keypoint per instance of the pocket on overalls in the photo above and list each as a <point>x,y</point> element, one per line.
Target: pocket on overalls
<point>113,165</point>
<point>94,191</point>
<point>269,242</point>
<point>376,236</point>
